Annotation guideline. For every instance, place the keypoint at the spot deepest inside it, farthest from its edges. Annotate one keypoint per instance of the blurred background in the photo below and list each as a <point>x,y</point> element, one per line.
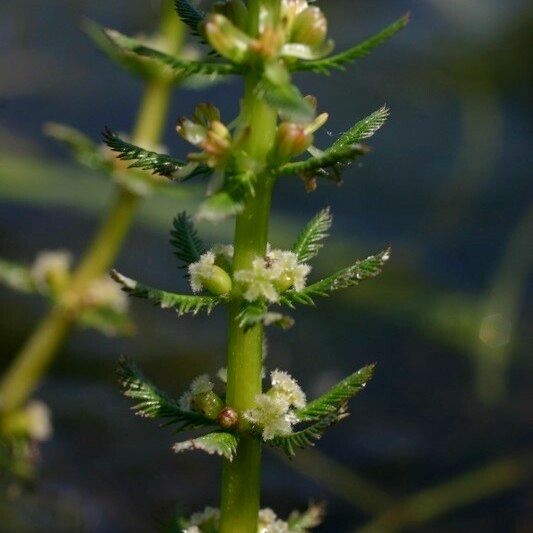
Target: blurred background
<point>448,185</point>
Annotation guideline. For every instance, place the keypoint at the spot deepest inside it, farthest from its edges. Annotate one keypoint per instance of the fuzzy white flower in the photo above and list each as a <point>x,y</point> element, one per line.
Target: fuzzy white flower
<point>185,401</point>
<point>222,374</point>
<point>287,263</point>
<point>50,262</point>
<point>38,420</point>
<point>285,386</point>
<point>272,415</point>
<point>105,292</point>
<point>224,250</point>
<point>192,529</point>
<point>258,281</point>
<point>204,268</point>
<point>209,514</point>
<point>270,523</point>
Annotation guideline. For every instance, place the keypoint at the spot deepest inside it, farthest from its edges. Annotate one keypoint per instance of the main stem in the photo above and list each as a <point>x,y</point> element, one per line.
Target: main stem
<point>24,374</point>
<point>241,477</point>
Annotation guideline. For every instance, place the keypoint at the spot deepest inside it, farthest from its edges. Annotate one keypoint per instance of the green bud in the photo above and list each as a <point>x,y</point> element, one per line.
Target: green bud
<point>283,283</point>
<point>310,27</point>
<point>226,38</point>
<point>218,283</point>
<point>291,140</point>
<point>208,403</point>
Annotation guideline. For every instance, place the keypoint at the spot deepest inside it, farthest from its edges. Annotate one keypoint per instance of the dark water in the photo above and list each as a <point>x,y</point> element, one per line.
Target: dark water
<point>448,185</point>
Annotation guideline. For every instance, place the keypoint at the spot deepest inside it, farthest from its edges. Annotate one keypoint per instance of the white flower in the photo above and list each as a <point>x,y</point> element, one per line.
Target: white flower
<point>192,529</point>
<point>285,386</point>
<point>105,292</point>
<point>270,523</point>
<point>185,401</point>
<point>287,263</point>
<point>38,420</point>
<point>209,514</point>
<point>50,262</point>
<point>222,374</point>
<point>273,415</point>
<point>204,268</point>
<point>258,281</point>
<point>201,385</point>
<point>225,250</point>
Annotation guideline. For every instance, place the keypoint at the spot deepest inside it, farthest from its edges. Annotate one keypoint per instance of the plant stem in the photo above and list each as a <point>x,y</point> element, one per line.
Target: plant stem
<point>241,478</point>
<point>26,370</point>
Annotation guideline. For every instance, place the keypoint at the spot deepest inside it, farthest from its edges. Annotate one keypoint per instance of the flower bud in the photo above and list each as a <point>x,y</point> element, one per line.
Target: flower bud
<point>228,418</point>
<point>284,282</point>
<point>291,141</point>
<point>218,283</point>
<point>310,27</point>
<point>226,38</point>
<point>235,11</point>
<point>208,403</point>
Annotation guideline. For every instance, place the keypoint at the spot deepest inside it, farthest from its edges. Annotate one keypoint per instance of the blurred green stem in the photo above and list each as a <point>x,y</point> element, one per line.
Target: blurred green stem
<point>426,506</point>
<point>35,357</point>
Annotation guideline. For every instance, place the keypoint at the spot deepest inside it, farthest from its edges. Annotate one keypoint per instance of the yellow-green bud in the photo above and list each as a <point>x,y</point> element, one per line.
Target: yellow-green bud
<point>234,10</point>
<point>310,27</point>
<point>218,283</point>
<point>291,140</point>
<point>228,418</point>
<point>208,403</point>
<point>226,38</point>
<point>283,283</point>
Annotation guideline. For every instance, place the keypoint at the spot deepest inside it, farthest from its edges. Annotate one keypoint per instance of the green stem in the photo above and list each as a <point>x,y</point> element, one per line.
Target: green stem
<point>36,355</point>
<point>241,478</point>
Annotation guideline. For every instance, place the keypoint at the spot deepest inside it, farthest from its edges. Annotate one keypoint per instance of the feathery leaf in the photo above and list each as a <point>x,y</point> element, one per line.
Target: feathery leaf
<point>360,271</point>
<point>182,303</point>
<point>305,437</point>
<point>185,240</point>
<point>189,15</point>
<point>161,164</point>
<point>185,67</point>
<point>364,129</point>
<point>154,403</point>
<point>333,400</point>
<point>339,61</point>
<point>216,443</point>
<point>309,242</point>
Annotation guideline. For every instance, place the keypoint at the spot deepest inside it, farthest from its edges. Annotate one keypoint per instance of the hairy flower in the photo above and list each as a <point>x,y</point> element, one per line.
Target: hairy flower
<point>201,270</point>
<point>270,523</point>
<point>272,414</point>
<point>200,385</point>
<point>104,292</point>
<point>38,419</point>
<point>50,266</point>
<point>258,281</point>
<point>283,385</point>
<point>289,268</point>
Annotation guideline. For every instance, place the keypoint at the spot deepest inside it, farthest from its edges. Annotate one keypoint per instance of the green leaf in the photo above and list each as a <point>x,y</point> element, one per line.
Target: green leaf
<point>286,98</point>
<point>185,240</point>
<point>189,15</point>
<point>106,320</point>
<point>333,400</point>
<point>328,164</point>
<point>339,61</point>
<point>183,303</point>
<point>154,403</point>
<point>161,164</point>
<point>309,242</point>
<point>217,443</point>
<point>360,271</point>
<point>84,150</point>
<point>305,437</point>
<point>364,129</point>
<point>185,67</point>
<point>253,313</point>
<point>146,68</point>
<point>17,277</point>
<point>219,206</point>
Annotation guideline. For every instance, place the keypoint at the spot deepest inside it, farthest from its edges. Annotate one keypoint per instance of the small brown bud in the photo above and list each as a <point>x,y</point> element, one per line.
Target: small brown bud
<point>228,418</point>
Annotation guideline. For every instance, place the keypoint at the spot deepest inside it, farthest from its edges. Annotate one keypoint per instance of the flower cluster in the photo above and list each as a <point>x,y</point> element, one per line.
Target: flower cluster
<point>268,277</point>
<point>51,270</point>
<point>201,397</point>
<point>274,412</point>
<point>300,31</point>
<point>271,275</point>
<point>208,520</point>
<point>32,421</point>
